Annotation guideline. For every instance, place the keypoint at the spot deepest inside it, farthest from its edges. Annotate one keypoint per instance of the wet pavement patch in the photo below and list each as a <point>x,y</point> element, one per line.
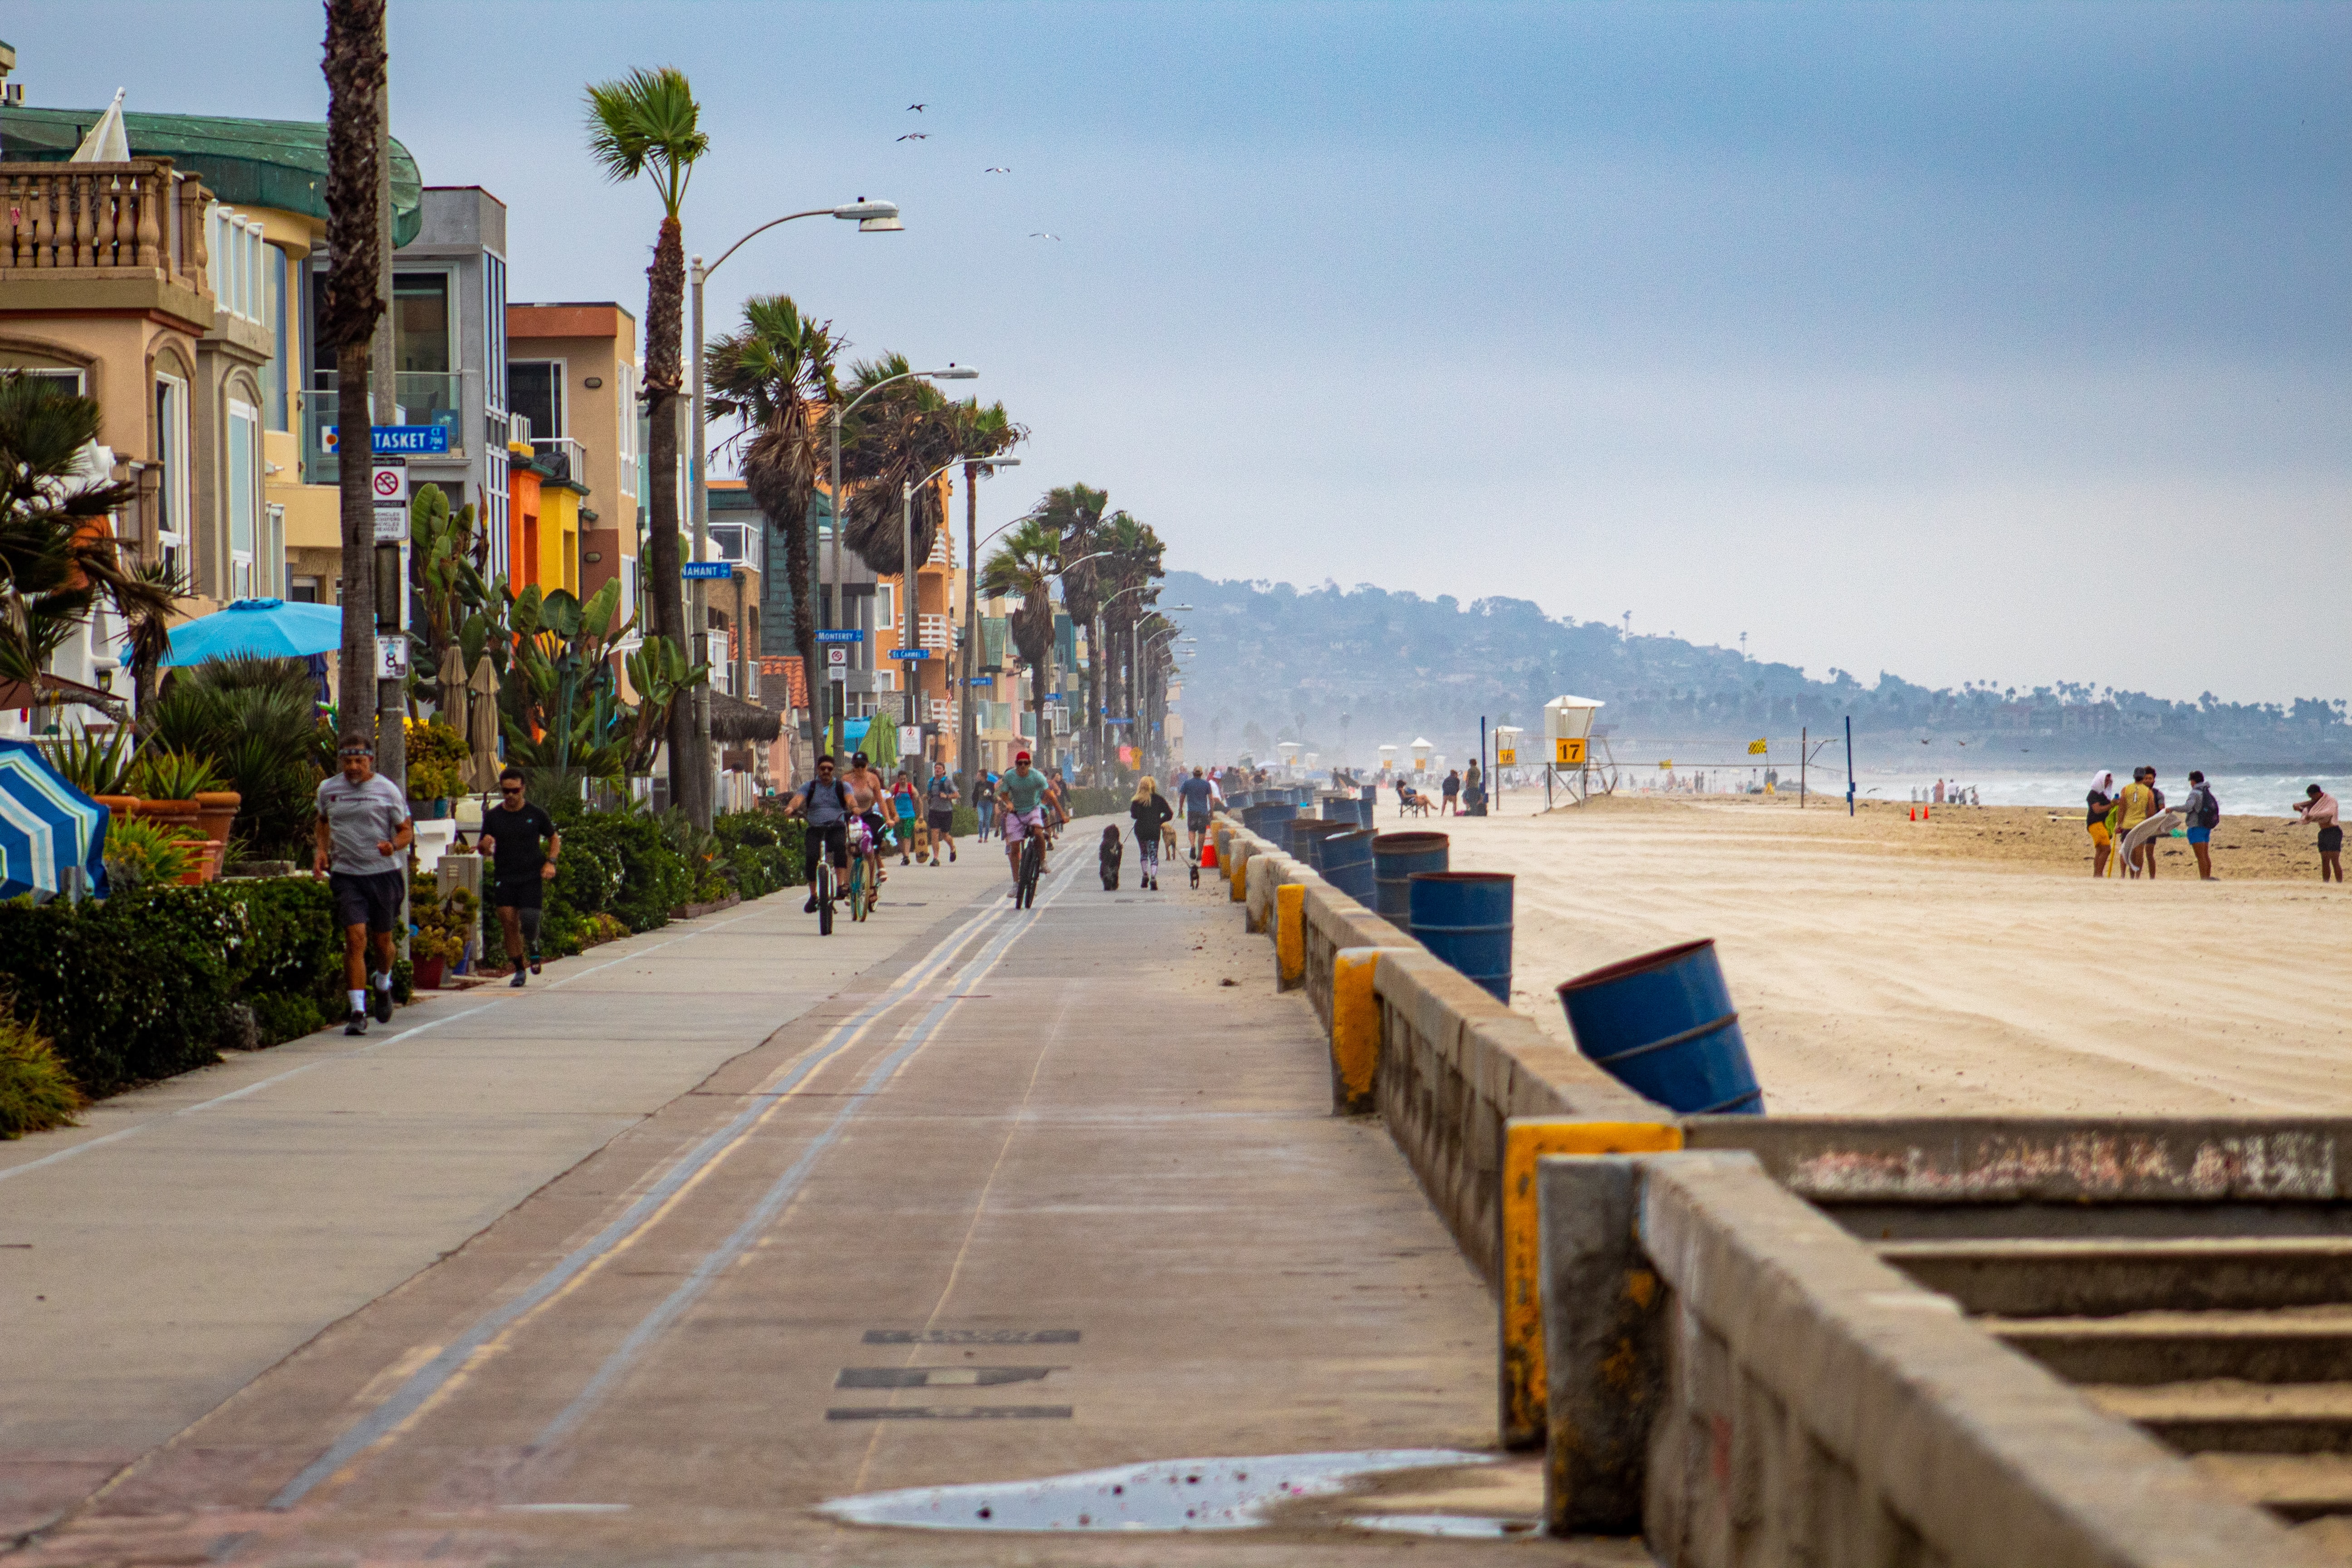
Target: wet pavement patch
<point>1166,1495</point>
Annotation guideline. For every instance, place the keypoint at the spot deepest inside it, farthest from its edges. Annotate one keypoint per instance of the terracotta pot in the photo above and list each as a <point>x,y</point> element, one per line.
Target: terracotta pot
<point>215,812</point>
<point>182,812</point>
<point>428,973</point>
<point>120,805</point>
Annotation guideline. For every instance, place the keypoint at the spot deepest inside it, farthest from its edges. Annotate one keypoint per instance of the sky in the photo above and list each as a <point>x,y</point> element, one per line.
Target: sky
<point>2002,342</point>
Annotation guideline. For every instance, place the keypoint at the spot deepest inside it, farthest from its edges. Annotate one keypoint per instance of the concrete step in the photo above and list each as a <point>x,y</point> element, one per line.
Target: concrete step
<point>2227,1415</point>
<point>2089,1278</point>
<point>2299,1345</point>
<point>2295,1487</point>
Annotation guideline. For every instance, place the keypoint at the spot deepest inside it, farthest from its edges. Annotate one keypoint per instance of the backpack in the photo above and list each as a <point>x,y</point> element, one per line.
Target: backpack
<point>2208,809</point>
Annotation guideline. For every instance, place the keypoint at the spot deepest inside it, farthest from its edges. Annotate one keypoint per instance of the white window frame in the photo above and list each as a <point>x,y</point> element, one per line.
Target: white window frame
<point>72,380</point>
<point>172,455</point>
<point>232,262</point>
<point>563,394</point>
<point>886,613</point>
<point>241,561</point>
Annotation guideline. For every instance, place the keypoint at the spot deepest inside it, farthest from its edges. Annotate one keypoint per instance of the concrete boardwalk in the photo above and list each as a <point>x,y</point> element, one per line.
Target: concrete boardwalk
<point>738,1220</point>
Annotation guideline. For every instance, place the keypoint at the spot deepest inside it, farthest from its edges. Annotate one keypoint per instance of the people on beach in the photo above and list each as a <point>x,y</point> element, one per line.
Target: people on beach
<point>2100,805</point>
<point>1451,790</point>
<point>2138,802</point>
<point>2319,807</point>
<point>2203,810</point>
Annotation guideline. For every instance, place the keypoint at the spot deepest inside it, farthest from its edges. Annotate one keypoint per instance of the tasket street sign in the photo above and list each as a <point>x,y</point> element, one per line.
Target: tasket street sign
<point>395,441</point>
<point>389,487</point>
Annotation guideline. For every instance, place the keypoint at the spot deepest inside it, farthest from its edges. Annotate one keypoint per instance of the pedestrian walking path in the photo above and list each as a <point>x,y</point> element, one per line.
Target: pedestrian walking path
<point>996,1195</point>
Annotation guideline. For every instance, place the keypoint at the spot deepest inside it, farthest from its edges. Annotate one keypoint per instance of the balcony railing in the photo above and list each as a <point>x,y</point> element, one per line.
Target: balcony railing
<point>934,632</point>
<point>563,458</point>
<point>422,397</point>
<point>112,220</point>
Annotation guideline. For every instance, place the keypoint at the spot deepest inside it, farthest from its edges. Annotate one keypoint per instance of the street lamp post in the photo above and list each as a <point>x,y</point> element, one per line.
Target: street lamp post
<point>832,718</point>
<point>910,609</point>
<point>967,726</point>
<point>871,217</point>
<point>1169,630</point>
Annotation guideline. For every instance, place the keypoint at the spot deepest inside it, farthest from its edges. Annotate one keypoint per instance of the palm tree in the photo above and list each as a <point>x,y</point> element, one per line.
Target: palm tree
<point>982,432</point>
<point>57,557</point>
<point>347,322</point>
<point>648,123</point>
<point>897,436</point>
<point>1022,564</point>
<point>1134,562</point>
<point>776,375</point>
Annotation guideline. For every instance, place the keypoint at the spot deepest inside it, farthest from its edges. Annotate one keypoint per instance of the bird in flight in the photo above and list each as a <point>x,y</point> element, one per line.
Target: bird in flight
<point>1041,234</point>
<point>916,108</point>
<point>996,169</point>
<point>914,136</point>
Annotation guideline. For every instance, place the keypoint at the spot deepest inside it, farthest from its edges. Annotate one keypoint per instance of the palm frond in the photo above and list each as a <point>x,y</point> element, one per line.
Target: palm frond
<point>647,123</point>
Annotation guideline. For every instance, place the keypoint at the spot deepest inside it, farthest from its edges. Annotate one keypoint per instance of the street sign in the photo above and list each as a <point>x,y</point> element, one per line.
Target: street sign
<point>981,680</point>
<point>849,636</point>
<point>395,440</point>
<point>837,657</point>
<point>391,657</point>
<point>389,487</point>
<point>910,653</point>
<point>710,570</point>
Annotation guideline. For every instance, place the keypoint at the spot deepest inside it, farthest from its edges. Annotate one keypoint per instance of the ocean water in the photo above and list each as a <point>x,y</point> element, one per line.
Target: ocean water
<point>2240,794</point>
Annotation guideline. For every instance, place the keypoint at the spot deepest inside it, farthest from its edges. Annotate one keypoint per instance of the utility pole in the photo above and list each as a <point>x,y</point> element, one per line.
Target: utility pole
<point>391,618</point>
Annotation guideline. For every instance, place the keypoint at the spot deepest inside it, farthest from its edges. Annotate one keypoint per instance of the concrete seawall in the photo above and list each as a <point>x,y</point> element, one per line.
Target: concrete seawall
<point>1713,1348</point>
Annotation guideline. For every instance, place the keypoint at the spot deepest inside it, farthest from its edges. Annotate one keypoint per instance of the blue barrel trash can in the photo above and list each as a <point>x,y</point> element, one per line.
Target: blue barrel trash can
<point>1465,917</point>
<point>1301,833</point>
<point>1347,863</point>
<point>1396,857</point>
<point>1662,1025</point>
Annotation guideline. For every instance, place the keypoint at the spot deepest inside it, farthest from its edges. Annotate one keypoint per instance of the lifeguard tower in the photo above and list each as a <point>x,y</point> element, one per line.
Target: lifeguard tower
<point>1388,762</point>
<point>1569,760</point>
<point>1421,751</point>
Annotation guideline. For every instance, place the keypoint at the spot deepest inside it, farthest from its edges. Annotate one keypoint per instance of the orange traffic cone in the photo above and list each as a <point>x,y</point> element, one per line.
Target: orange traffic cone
<point>1914,814</point>
<point>1209,855</point>
<point>1923,813</point>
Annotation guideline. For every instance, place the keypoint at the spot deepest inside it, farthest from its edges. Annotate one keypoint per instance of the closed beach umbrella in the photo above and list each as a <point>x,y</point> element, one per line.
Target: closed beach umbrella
<point>482,727</point>
<point>451,677</point>
<point>258,628</point>
<point>46,826</point>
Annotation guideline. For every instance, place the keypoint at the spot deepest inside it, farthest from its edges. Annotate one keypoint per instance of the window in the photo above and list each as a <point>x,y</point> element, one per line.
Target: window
<point>244,495</point>
<point>304,591</point>
<point>494,316</point>
<point>171,461</point>
<point>65,380</point>
<point>232,262</point>
<point>274,268</point>
<point>624,391</point>
<point>535,391</point>
<point>420,323</point>
<point>322,355</point>
<point>885,617</point>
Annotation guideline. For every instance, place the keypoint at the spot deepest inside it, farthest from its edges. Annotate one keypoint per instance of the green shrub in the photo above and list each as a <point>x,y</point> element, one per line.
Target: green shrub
<point>37,1093</point>
<point>141,851</point>
<point>653,879</point>
<point>1100,802</point>
<point>162,773</point>
<point>282,1017</point>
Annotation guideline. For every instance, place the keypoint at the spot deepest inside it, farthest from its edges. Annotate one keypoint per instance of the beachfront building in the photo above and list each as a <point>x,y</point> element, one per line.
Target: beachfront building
<point>173,283</point>
<point>572,391</point>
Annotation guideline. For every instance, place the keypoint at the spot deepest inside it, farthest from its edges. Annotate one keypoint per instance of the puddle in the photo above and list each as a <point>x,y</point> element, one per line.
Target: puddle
<point>1166,1495</point>
<point>1459,1526</point>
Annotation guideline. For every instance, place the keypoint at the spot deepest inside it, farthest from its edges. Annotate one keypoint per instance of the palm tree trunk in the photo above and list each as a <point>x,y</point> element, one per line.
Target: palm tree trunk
<point>665,314</point>
<point>798,574</point>
<point>355,75</point>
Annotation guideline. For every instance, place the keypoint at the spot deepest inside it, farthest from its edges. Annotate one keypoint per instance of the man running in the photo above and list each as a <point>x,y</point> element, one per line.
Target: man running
<point>1194,795</point>
<point>1023,791</point>
<point>519,870</point>
<point>823,802</point>
<point>939,804</point>
<point>364,831</point>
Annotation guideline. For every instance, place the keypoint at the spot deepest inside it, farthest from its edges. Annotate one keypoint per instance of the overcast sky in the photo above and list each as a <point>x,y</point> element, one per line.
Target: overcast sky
<point>1968,341</point>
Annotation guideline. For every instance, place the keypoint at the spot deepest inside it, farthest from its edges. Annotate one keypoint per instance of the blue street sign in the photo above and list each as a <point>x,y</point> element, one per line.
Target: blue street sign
<point>400,440</point>
<point>981,680</point>
<point>851,635</point>
<point>706,569</point>
<point>910,653</point>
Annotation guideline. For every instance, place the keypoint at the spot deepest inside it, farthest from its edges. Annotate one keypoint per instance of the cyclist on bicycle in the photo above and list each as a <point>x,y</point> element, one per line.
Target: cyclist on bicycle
<point>825,803</point>
<point>1196,795</point>
<point>867,790</point>
<point>1022,793</point>
<point>1057,807</point>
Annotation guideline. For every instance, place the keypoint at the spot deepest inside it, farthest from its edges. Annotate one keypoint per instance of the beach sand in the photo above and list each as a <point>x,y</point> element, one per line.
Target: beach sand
<point>1970,963</point>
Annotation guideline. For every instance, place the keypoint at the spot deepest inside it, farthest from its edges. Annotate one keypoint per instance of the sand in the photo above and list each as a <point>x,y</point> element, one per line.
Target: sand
<point>1966,964</point>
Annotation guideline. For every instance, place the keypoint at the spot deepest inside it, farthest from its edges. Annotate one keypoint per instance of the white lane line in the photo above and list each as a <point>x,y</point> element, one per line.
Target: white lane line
<point>421,1387</point>
<point>240,1093</point>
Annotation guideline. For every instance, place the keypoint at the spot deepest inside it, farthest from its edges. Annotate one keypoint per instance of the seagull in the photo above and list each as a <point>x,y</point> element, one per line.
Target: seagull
<point>914,136</point>
<point>916,108</point>
<point>1041,234</point>
<point>996,169</point>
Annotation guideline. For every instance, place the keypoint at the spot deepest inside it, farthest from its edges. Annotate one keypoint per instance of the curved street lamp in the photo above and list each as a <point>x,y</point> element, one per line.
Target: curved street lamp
<point>871,217</point>
<point>910,592</point>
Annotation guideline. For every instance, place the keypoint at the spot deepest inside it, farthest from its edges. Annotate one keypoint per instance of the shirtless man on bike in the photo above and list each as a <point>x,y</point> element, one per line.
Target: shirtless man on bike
<point>866,792</point>
<point>1022,794</point>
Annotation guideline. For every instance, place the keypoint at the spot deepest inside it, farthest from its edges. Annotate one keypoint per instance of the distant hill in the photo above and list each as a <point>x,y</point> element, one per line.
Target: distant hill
<point>1352,669</point>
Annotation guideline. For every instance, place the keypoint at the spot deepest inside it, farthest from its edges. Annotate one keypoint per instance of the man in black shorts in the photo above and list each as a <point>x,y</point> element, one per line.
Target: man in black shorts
<point>939,812</point>
<point>364,831</point>
<point>824,805</point>
<point>520,868</point>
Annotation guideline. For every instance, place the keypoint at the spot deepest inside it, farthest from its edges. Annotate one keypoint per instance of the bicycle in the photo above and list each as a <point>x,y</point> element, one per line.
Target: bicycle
<point>828,889</point>
<point>1032,863</point>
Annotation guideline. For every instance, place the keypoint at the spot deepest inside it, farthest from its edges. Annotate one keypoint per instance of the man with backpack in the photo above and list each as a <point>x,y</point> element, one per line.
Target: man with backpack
<point>2203,810</point>
<point>826,807</point>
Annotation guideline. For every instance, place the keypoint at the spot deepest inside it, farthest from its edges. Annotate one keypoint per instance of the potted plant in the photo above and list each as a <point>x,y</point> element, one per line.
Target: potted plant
<point>170,783</point>
<point>438,940</point>
<point>140,850</point>
<point>98,765</point>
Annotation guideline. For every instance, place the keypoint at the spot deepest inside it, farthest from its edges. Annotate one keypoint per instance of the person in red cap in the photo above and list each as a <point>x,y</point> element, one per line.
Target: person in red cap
<point>1023,791</point>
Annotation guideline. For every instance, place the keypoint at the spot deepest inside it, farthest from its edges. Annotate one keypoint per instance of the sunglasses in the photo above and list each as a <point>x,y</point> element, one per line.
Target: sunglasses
<point>510,789</point>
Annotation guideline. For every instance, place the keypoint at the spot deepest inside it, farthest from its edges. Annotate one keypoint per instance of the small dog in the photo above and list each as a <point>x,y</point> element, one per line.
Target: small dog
<point>1113,851</point>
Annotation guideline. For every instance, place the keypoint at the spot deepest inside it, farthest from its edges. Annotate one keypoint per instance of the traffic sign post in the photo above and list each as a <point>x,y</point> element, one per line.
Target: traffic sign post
<point>836,657</point>
<point>709,571</point>
<point>851,635</point>
<point>396,440</point>
<point>910,653</point>
<point>389,487</point>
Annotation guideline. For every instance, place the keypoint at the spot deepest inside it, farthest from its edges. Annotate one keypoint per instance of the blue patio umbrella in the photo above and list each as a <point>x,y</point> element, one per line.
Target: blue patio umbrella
<point>46,827</point>
<point>258,629</point>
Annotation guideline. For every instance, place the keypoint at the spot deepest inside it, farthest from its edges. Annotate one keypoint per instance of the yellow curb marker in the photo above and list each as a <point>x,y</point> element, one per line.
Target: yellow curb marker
<point>1525,1390</point>
<point>1290,934</point>
<point>1355,1028</point>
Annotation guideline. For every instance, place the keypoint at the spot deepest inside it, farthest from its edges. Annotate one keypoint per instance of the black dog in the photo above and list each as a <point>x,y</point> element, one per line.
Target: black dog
<point>1112,850</point>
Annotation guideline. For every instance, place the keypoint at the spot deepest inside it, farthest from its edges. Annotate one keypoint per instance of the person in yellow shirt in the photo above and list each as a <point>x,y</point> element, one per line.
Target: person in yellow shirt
<point>2138,803</point>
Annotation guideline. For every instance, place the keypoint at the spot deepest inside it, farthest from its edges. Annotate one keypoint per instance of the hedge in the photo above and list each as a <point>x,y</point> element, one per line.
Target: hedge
<point>141,985</point>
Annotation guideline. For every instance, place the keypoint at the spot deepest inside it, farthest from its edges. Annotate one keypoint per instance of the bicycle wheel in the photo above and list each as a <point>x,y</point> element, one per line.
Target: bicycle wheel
<point>857,889</point>
<point>1032,858</point>
<point>827,885</point>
